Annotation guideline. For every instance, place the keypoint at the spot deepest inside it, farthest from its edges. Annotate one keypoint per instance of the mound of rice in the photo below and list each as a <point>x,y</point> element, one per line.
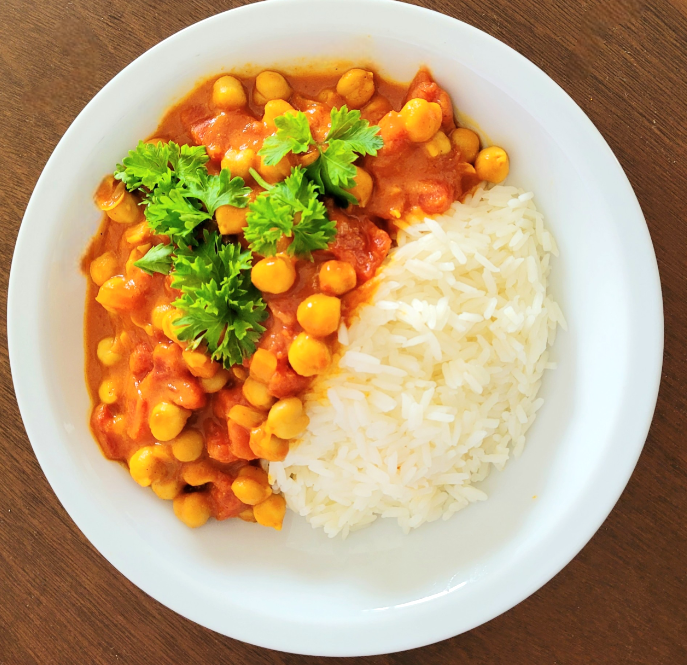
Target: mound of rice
<point>437,379</point>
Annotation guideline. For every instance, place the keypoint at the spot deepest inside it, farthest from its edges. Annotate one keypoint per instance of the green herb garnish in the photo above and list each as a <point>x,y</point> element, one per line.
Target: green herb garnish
<point>157,259</point>
<point>291,208</point>
<point>348,138</point>
<point>178,191</point>
<point>293,135</point>
<point>222,309</point>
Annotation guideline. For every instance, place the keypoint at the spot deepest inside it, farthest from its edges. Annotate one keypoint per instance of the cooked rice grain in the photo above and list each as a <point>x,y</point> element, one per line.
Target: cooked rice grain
<point>437,379</point>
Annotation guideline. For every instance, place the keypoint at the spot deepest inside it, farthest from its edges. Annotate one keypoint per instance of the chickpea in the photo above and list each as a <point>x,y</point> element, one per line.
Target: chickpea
<point>277,172</point>
<point>274,274</point>
<point>246,417</point>
<point>286,418</point>
<point>305,159</point>
<point>192,509</point>
<point>272,85</point>
<point>256,473</point>
<point>146,467</point>
<point>217,382</point>
<point>200,364</point>
<point>239,372</point>
<point>108,392</point>
<point>247,515</point>
<point>257,394</point>
<point>492,164</point>
<point>112,198</point>
<point>259,99</point>
<point>239,162</point>
<point>250,491</point>
<point>138,234</point>
<point>331,97</point>
<point>271,511</point>
<point>337,277</point>
<point>188,446</point>
<point>159,314</point>
<point>167,489</point>
<point>422,119</point>
<point>362,190</point>
<point>163,451</point>
<point>108,351</point>
<point>268,447</point>
<point>166,420</point>
<point>103,267</point>
<point>168,323</point>
<point>116,294</point>
<point>319,314</point>
<point>467,143</point>
<point>356,86</point>
<point>438,145</point>
<point>273,109</point>
<point>198,473</point>
<point>377,108</point>
<point>263,365</point>
<point>231,220</point>
<point>228,93</point>
<point>309,356</point>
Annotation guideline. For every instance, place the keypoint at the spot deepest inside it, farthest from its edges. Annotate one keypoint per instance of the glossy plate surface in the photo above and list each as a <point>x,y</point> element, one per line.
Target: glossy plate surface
<point>378,591</point>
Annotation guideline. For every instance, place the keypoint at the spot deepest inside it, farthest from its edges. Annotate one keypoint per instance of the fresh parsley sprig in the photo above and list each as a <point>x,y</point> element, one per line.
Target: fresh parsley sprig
<point>293,135</point>
<point>222,309</point>
<point>157,259</point>
<point>291,208</point>
<point>178,191</point>
<point>348,138</point>
<point>149,165</point>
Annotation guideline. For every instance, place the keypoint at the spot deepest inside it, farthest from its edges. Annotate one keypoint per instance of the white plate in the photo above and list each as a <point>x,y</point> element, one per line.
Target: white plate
<point>378,591</point>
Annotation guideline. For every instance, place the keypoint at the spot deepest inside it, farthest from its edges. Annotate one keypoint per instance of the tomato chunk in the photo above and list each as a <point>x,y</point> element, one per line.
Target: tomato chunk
<point>239,441</point>
<point>103,426</point>
<point>217,442</point>
<point>423,86</point>
<point>360,242</point>
<point>219,133</point>
<point>224,501</point>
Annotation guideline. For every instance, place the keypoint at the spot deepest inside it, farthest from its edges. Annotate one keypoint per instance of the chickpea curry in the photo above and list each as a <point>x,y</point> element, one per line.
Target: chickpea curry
<point>234,243</point>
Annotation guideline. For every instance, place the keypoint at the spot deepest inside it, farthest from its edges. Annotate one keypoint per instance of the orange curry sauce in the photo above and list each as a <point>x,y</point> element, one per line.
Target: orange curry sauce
<point>140,364</point>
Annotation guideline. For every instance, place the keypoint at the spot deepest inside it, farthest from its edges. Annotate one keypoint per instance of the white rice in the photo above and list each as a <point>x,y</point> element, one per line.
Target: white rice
<point>437,379</point>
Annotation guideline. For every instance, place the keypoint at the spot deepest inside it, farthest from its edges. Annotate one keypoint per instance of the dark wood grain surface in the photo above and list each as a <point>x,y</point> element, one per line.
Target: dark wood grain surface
<point>623,599</point>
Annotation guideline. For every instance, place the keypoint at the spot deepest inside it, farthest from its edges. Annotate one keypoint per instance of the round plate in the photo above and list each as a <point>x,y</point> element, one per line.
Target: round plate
<point>378,591</point>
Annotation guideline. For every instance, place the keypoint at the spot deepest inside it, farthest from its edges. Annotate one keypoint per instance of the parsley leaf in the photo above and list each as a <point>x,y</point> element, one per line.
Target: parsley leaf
<point>293,135</point>
<point>176,183</point>
<point>174,215</point>
<point>146,166</point>
<point>358,134</point>
<point>218,190</point>
<point>291,208</point>
<point>337,163</point>
<point>318,174</point>
<point>157,259</point>
<point>187,160</point>
<point>349,137</point>
<point>268,219</point>
<point>222,309</point>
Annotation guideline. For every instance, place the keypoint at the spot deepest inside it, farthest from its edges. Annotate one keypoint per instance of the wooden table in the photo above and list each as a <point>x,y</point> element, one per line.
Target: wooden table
<point>622,600</point>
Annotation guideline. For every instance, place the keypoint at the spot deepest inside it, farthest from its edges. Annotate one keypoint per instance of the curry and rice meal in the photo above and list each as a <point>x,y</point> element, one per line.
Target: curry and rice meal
<point>311,291</point>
